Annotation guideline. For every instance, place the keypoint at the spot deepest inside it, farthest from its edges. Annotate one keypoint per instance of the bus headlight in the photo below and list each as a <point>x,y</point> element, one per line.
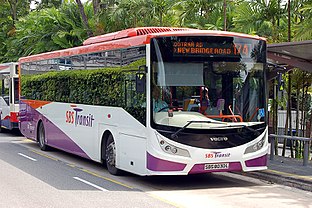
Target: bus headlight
<point>255,147</point>
<point>171,149</point>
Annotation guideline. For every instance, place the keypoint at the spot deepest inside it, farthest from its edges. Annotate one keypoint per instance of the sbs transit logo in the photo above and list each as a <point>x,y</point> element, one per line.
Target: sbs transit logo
<point>217,155</point>
<point>77,118</point>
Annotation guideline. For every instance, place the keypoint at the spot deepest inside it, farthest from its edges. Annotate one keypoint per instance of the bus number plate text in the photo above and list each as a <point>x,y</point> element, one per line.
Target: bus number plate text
<point>216,166</point>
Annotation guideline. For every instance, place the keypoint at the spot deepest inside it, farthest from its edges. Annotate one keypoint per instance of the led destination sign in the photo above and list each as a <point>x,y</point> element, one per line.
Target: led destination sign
<point>204,48</point>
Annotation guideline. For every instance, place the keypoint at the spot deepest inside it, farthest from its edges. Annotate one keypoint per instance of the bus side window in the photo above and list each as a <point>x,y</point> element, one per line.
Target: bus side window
<point>135,102</point>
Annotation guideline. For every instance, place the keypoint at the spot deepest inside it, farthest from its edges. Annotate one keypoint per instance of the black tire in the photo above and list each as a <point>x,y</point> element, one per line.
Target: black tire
<point>110,156</point>
<point>41,138</point>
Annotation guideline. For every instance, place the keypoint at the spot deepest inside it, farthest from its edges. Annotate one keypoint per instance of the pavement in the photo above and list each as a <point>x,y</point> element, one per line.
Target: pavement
<point>286,171</point>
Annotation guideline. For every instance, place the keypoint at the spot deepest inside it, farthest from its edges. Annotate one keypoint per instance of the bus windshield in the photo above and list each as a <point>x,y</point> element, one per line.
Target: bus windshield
<point>218,79</point>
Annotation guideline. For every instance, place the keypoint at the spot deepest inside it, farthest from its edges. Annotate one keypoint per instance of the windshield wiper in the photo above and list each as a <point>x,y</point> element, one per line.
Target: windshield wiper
<point>247,127</point>
<point>175,135</point>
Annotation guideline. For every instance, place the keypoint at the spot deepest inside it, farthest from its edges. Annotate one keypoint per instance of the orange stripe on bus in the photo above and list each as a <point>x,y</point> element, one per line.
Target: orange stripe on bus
<point>36,103</point>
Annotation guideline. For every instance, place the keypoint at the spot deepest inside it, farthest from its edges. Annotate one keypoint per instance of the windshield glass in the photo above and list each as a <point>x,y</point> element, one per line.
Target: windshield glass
<point>208,79</point>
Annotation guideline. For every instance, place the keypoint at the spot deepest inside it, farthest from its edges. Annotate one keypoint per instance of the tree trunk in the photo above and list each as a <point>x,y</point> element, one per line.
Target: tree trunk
<point>13,8</point>
<point>84,18</point>
<point>96,6</point>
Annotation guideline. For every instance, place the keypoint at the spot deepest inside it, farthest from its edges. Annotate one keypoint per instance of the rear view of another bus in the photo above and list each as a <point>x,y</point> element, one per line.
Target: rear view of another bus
<point>9,99</point>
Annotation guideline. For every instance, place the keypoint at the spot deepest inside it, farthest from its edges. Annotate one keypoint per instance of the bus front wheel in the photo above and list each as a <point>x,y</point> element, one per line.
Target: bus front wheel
<point>110,156</point>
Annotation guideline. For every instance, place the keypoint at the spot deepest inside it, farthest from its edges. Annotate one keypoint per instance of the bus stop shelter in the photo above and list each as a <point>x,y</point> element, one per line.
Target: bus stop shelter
<point>291,55</point>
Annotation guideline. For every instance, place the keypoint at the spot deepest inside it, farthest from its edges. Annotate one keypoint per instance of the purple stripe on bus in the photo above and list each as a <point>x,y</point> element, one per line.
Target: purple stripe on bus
<point>157,164</point>
<point>260,161</point>
<point>200,168</point>
<point>60,140</point>
<point>56,137</point>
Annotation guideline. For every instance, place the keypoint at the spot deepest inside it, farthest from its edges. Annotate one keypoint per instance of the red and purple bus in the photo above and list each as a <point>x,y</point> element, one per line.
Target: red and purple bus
<point>105,105</point>
<point>9,99</point>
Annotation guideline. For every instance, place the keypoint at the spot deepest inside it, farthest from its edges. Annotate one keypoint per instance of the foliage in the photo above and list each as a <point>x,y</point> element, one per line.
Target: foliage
<point>303,26</point>
<point>42,4</point>
<point>10,12</point>
<point>58,24</point>
<point>46,30</point>
<point>263,18</point>
<point>200,14</point>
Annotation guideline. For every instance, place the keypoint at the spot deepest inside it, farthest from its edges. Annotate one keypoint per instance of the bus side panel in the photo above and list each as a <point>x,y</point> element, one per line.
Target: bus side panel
<point>58,139</point>
<point>133,153</point>
<point>79,129</point>
<point>27,123</point>
<point>130,139</point>
<point>29,120</point>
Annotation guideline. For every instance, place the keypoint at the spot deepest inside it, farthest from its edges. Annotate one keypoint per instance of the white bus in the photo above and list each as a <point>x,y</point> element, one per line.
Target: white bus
<point>211,86</point>
<point>9,100</point>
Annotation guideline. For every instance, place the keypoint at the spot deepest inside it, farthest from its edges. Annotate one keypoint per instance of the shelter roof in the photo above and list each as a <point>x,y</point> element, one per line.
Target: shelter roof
<point>291,55</point>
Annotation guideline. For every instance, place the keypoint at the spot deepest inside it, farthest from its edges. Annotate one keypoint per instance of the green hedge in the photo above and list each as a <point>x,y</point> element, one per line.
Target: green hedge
<point>103,86</point>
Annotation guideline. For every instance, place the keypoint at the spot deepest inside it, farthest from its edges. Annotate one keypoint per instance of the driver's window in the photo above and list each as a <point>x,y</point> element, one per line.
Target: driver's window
<point>159,103</point>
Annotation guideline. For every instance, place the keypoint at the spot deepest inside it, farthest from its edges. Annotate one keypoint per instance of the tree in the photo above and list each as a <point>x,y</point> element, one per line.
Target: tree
<point>96,6</point>
<point>264,18</point>
<point>10,12</point>
<point>17,8</point>
<point>303,19</point>
<point>46,30</point>
<point>42,4</point>
<point>200,13</point>
<point>84,18</point>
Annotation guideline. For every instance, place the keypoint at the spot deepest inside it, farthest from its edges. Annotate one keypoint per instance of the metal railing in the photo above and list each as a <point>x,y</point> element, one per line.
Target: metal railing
<point>306,141</point>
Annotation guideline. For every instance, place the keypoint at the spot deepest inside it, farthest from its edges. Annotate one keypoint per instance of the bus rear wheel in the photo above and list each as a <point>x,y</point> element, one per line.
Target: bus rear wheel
<point>110,156</point>
<point>41,138</point>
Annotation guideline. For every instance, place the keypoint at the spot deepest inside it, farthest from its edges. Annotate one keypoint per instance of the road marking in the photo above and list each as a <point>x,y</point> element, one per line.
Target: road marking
<point>164,200</point>
<point>84,170</point>
<point>30,158</point>
<point>44,155</point>
<point>108,179</point>
<point>91,184</point>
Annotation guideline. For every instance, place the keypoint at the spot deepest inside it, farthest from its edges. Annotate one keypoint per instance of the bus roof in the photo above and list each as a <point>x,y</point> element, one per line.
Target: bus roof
<point>129,38</point>
<point>131,32</point>
<point>5,68</point>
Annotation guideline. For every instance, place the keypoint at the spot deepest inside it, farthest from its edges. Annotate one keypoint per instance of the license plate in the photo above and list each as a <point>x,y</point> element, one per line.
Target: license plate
<point>216,166</point>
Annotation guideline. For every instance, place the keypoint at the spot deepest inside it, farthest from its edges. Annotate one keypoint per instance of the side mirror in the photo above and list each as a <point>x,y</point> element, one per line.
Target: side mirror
<point>140,79</point>
<point>140,82</point>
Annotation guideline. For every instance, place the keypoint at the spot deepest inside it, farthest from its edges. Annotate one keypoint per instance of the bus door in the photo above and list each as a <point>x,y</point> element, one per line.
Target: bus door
<point>14,93</point>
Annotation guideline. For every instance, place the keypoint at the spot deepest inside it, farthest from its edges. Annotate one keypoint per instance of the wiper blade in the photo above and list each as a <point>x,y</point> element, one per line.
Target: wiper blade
<point>247,127</point>
<point>175,135</point>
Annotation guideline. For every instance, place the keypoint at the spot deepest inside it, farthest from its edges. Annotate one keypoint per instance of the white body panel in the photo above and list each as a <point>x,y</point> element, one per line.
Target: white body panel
<point>8,104</point>
<point>128,133</point>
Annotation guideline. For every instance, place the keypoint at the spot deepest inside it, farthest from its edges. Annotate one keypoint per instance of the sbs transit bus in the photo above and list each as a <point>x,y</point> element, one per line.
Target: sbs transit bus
<point>211,85</point>
<point>9,100</point>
